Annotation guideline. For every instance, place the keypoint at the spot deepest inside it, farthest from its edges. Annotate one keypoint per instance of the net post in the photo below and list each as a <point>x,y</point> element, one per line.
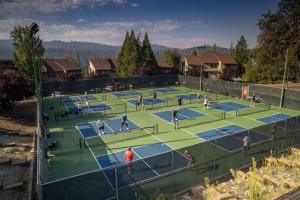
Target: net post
<point>79,143</point>
<point>172,160</point>
<point>81,115</point>
<point>116,180</point>
<point>125,105</point>
<point>156,129</point>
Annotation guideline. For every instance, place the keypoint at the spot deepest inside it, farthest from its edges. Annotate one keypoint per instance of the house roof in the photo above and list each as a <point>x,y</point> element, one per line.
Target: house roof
<point>210,58</point>
<point>101,64</point>
<point>60,65</point>
<point>7,64</point>
<point>225,58</point>
<point>163,64</point>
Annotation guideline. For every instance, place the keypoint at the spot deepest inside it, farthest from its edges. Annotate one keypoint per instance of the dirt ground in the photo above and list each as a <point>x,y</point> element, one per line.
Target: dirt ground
<point>17,151</point>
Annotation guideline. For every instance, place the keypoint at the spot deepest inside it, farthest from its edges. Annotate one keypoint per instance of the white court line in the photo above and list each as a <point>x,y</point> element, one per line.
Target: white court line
<point>99,164</point>
<point>146,163</point>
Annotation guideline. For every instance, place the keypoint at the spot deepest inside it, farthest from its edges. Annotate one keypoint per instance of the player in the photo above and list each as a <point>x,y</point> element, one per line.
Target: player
<point>246,144</point>
<point>205,102</point>
<point>179,103</point>
<point>130,86</point>
<point>199,96</point>
<point>190,158</point>
<point>85,95</point>
<point>253,99</point>
<point>79,108</point>
<point>87,104</point>
<point>154,95</point>
<point>174,115</point>
<point>100,126</point>
<point>140,101</point>
<point>128,157</point>
<point>124,122</point>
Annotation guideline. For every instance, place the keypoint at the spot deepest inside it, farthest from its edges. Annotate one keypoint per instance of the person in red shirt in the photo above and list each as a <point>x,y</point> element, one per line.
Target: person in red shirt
<point>128,157</point>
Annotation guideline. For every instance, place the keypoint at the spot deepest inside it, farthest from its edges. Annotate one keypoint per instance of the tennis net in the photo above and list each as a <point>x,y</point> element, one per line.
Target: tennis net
<point>116,137</point>
<point>72,113</point>
<point>253,109</point>
<point>184,123</point>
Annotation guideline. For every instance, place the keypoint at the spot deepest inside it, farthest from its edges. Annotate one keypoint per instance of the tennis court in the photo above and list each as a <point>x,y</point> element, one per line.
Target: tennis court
<point>231,137</point>
<point>72,99</point>
<point>182,114</point>
<point>86,163</point>
<point>228,106</point>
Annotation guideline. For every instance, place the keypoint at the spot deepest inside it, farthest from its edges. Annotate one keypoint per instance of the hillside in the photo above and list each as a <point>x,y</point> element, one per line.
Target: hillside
<point>88,50</point>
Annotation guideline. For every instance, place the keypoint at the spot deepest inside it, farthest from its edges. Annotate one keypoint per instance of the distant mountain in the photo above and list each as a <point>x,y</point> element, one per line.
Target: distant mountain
<point>89,50</point>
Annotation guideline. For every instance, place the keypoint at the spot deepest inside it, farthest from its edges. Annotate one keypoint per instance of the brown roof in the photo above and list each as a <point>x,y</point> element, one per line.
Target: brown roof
<point>225,58</point>
<point>210,58</point>
<point>7,64</point>
<point>101,64</point>
<point>163,64</point>
<point>113,63</point>
<point>59,65</point>
<point>207,58</point>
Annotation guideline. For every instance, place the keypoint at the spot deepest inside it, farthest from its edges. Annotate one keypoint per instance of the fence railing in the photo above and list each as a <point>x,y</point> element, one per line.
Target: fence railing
<point>271,95</point>
<point>99,84</point>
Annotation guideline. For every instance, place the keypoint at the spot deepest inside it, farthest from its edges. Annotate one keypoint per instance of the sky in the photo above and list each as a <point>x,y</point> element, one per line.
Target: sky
<point>172,23</point>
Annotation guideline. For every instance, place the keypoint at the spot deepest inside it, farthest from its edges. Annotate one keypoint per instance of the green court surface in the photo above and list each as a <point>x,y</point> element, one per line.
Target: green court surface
<point>72,157</point>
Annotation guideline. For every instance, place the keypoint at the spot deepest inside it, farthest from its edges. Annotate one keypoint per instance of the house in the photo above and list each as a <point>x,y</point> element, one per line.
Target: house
<point>164,67</point>
<point>213,65</point>
<point>102,67</point>
<point>60,70</point>
<point>7,64</point>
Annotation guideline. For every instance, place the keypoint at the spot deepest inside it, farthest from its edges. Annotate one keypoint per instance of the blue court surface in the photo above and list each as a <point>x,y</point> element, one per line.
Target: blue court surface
<point>126,93</point>
<point>231,137</point>
<point>190,96</point>
<point>228,106</point>
<point>78,98</point>
<point>92,108</point>
<point>273,118</point>
<point>110,126</point>
<point>163,90</point>
<point>182,114</point>
<point>148,101</point>
<point>149,161</point>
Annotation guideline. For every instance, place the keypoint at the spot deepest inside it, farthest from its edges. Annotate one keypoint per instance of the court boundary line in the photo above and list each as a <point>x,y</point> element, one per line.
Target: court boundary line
<point>146,163</point>
<point>98,163</point>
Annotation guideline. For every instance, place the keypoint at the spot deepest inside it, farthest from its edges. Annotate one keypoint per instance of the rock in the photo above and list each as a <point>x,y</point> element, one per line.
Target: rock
<point>5,161</point>
<point>11,186</point>
<point>13,149</point>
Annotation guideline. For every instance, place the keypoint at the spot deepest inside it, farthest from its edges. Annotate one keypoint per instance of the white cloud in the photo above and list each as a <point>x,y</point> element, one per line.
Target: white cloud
<point>134,5</point>
<point>160,32</point>
<point>27,7</point>
<point>82,20</point>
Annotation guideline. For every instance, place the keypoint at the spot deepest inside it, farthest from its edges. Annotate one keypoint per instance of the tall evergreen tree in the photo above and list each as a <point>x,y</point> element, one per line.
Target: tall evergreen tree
<point>241,55</point>
<point>149,60</point>
<point>121,63</point>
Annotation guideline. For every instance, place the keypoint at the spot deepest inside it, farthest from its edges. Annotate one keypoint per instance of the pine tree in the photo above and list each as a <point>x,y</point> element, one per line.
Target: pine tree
<point>241,55</point>
<point>121,65</point>
<point>149,61</point>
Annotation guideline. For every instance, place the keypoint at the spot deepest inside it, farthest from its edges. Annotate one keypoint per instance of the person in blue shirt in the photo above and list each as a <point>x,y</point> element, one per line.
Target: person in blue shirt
<point>124,122</point>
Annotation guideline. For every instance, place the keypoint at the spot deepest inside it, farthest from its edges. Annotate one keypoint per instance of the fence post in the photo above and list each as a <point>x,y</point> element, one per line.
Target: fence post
<point>116,179</point>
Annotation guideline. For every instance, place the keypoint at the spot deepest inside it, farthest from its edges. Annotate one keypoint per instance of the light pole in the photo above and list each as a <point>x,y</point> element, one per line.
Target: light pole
<point>34,29</point>
<point>284,78</point>
<point>201,48</point>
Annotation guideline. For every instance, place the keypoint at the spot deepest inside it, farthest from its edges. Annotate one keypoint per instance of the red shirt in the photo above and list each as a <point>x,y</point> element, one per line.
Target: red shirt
<point>128,156</point>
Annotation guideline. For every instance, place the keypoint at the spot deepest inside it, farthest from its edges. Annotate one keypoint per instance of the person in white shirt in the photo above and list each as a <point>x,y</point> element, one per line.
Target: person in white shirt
<point>87,104</point>
<point>246,143</point>
<point>205,102</point>
<point>79,108</point>
<point>100,126</point>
